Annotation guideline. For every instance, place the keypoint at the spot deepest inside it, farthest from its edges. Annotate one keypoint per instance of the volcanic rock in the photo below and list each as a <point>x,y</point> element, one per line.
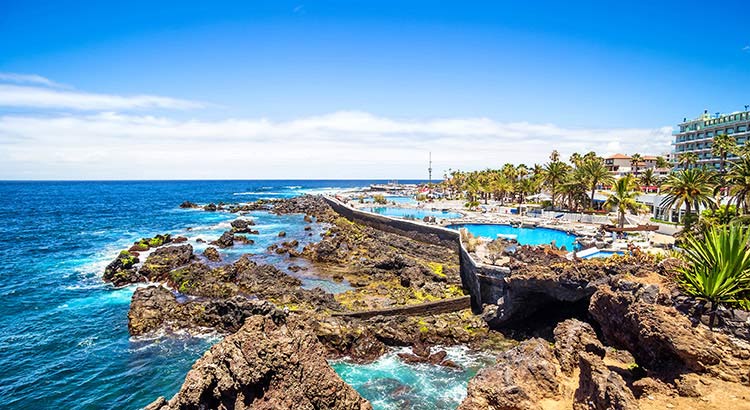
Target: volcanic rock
<point>242,225</point>
<point>267,364</point>
<point>212,254</point>
<point>226,240</point>
<point>164,259</point>
<point>122,270</point>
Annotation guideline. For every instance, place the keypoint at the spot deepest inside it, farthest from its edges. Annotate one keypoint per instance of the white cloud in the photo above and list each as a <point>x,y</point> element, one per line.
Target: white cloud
<point>746,48</point>
<point>337,145</point>
<point>46,98</point>
<point>28,79</point>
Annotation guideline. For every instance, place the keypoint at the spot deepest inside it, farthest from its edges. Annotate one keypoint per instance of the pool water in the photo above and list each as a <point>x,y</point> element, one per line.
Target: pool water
<point>411,213</point>
<point>525,236</point>
<point>603,254</point>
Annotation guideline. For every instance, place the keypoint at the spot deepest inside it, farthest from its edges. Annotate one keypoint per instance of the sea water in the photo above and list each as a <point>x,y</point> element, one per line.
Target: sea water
<point>391,384</point>
<point>64,341</point>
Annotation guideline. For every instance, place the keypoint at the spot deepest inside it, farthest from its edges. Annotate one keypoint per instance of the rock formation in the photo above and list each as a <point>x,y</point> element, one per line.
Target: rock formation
<point>268,364</point>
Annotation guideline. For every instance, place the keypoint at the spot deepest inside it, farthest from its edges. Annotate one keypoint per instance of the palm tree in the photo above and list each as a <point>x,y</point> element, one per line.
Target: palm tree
<point>738,182</point>
<point>623,198</point>
<point>575,159</point>
<point>687,159</point>
<point>593,172</point>
<point>553,175</point>
<point>690,187</point>
<point>722,145</point>
<point>635,162</point>
<point>649,178</point>
<point>662,162</point>
<point>554,156</point>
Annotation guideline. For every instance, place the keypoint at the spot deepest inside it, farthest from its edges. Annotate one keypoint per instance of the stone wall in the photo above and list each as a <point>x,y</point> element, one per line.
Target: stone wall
<point>485,283</point>
<point>414,230</point>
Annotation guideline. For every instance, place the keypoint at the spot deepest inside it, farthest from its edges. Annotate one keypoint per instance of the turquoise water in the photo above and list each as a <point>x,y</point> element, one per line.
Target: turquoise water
<point>525,236</point>
<point>407,200</point>
<point>63,332</point>
<point>604,254</point>
<point>411,213</point>
<point>391,384</point>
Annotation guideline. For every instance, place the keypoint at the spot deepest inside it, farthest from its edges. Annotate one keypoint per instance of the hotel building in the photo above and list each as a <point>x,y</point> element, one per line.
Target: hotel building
<point>697,135</point>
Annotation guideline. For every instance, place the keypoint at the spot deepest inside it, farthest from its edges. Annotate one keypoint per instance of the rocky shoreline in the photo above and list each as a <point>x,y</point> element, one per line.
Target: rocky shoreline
<point>614,333</point>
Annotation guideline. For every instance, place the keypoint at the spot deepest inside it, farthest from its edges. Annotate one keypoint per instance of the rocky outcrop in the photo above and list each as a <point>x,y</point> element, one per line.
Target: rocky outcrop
<point>601,388</point>
<point>522,377</point>
<point>212,254</point>
<point>164,259</point>
<point>536,372</point>
<point>189,205</point>
<point>155,308</point>
<point>122,271</point>
<point>573,338</point>
<point>226,240</point>
<point>242,226</point>
<point>268,364</point>
<point>640,318</point>
<point>306,204</point>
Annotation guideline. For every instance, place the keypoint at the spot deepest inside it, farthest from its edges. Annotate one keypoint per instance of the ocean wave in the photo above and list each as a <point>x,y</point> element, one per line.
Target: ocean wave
<point>293,186</point>
<point>258,193</point>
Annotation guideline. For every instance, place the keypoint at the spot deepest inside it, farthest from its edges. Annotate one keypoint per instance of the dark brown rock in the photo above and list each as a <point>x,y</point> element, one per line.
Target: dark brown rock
<point>600,388</point>
<point>573,338</point>
<point>226,240</point>
<point>164,259</point>
<point>122,270</point>
<point>212,254</point>
<point>242,225</point>
<point>154,308</point>
<point>267,364</point>
<point>522,377</point>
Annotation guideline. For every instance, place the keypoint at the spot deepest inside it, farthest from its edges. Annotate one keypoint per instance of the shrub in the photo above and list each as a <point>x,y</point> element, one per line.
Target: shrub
<point>379,199</point>
<point>718,266</point>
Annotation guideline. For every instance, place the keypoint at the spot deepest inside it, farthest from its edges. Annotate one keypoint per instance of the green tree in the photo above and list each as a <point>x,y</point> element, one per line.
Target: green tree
<point>635,162</point>
<point>623,198</point>
<point>738,183</point>
<point>689,187</point>
<point>721,146</point>
<point>662,162</point>
<point>554,175</point>
<point>687,159</point>
<point>648,178</point>
<point>594,173</point>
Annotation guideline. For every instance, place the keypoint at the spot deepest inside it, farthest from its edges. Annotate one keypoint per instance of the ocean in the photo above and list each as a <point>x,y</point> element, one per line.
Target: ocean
<point>64,341</point>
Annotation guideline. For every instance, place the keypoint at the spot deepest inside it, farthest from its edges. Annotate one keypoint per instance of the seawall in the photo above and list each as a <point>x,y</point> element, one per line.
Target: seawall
<point>485,283</point>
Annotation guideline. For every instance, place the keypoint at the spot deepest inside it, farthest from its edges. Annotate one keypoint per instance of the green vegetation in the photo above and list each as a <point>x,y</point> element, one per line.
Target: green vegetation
<point>623,198</point>
<point>127,259</point>
<point>692,188</point>
<point>718,266</point>
<point>379,199</point>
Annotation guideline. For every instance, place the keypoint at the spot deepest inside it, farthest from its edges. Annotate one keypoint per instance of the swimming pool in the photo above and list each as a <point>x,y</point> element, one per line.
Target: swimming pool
<point>603,254</point>
<point>525,236</point>
<point>411,213</point>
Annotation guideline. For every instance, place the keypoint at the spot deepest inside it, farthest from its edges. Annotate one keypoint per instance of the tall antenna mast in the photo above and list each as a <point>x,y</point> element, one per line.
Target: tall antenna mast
<point>429,172</point>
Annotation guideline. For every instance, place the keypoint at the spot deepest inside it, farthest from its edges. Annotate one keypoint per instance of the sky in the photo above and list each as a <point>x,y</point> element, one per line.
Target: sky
<point>353,89</point>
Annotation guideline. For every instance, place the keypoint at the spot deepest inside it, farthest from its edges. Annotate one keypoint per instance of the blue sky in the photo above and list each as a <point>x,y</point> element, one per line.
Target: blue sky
<point>580,75</point>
